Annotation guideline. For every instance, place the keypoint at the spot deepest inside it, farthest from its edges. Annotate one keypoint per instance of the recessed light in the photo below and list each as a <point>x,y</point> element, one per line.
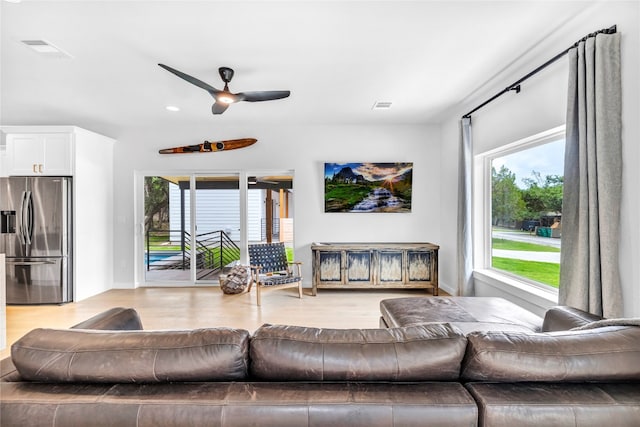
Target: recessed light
<point>172,108</point>
<point>381,105</point>
<point>13,1</point>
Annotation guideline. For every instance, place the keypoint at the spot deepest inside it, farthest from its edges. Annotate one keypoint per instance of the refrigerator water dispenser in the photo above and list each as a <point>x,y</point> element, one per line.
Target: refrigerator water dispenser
<point>7,222</point>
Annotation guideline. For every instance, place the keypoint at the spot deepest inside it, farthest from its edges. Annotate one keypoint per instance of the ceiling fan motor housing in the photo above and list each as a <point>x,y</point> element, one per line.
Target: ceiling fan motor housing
<point>226,74</point>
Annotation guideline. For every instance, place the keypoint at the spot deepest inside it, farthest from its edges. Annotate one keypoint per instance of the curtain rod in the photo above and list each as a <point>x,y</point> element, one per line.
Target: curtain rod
<point>516,85</point>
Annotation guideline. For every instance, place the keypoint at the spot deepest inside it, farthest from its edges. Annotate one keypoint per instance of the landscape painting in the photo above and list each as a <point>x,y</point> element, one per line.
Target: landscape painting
<point>367,187</point>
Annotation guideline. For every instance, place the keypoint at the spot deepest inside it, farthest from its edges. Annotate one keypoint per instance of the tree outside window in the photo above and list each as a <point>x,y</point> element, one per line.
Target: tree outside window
<point>526,212</point>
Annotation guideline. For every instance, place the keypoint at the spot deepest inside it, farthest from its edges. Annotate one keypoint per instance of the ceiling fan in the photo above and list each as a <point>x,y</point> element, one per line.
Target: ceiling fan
<point>273,182</point>
<point>224,97</point>
<point>253,180</point>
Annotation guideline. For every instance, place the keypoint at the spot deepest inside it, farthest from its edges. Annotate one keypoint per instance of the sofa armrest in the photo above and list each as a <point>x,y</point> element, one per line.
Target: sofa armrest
<point>563,318</point>
<point>118,318</point>
<point>8,371</point>
<point>115,319</point>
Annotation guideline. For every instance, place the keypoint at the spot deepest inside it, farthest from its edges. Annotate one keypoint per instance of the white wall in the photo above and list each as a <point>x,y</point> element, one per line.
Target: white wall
<point>303,149</point>
<point>93,210</point>
<point>541,106</point>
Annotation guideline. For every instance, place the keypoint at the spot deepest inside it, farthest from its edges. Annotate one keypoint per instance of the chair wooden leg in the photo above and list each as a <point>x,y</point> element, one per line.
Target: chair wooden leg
<point>300,290</point>
<point>258,293</point>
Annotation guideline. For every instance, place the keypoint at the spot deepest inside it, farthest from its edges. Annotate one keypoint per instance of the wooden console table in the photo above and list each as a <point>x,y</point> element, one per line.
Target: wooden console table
<point>375,265</point>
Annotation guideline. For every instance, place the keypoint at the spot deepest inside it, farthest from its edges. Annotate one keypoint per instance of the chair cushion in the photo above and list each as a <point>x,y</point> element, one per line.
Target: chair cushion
<point>278,280</point>
<point>71,355</point>
<point>415,353</point>
<point>603,354</point>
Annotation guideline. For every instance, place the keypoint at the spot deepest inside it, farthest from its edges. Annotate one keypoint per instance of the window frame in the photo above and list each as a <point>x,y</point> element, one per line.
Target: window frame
<point>482,224</point>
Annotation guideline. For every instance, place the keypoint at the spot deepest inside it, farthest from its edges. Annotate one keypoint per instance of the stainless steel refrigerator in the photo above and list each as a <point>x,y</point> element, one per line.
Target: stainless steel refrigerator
<point>35,235</point>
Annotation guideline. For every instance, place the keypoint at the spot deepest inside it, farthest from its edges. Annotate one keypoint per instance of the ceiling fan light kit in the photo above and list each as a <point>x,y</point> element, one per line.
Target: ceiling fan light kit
<point>224,98</point>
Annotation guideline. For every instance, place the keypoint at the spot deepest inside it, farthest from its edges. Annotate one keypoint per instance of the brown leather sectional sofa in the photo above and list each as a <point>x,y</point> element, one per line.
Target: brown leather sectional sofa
<point>108,371</point>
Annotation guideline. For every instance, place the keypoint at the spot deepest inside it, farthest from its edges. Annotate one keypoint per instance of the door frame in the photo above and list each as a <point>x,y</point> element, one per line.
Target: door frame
<point>139,232</point>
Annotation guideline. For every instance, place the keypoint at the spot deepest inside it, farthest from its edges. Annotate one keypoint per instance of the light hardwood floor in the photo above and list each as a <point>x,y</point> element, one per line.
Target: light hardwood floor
<point>200,307</point>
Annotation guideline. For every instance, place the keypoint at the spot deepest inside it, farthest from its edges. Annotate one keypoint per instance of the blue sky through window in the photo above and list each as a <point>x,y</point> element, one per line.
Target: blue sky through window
<point>547,159</point>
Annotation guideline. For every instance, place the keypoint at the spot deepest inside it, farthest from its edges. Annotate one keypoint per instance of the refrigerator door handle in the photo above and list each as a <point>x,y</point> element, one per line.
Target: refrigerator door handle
<point>21,229</point>
<point>27,217</point>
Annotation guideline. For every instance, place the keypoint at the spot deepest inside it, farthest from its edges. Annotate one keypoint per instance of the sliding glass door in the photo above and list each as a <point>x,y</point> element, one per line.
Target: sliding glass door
<point>167,242</point>
<point>270,208</point>
<point>196,226</point>
<point>192,227</point>
<point>217,231</point>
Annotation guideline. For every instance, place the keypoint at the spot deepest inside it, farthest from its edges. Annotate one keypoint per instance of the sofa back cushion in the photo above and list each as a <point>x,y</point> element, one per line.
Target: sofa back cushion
<point>413,353</point>
<point>603,354</point>
<point>70,355</point>
<point>563,318</point>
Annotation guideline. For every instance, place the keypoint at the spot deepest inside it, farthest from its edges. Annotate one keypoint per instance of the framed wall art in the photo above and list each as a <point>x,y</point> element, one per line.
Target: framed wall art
<point>367,187</point>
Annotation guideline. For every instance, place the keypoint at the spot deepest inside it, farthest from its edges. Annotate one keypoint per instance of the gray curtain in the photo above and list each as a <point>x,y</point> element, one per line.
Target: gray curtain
<point>589,274</point>
<point>465,249</point>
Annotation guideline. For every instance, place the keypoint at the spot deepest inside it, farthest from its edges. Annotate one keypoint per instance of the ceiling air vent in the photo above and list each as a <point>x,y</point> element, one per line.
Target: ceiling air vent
<point>46,48</point>
<point>382,105</point>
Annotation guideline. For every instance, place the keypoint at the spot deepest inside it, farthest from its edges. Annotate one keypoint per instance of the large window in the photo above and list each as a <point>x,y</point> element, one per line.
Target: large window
<point>523,225</point>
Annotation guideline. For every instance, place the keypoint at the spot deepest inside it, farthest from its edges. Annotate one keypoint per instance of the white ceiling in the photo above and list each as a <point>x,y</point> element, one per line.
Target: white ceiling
<point>336,57</point>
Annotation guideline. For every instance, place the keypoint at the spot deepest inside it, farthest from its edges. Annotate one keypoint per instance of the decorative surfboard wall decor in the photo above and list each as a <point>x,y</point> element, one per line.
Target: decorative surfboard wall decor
<point>211,146</point>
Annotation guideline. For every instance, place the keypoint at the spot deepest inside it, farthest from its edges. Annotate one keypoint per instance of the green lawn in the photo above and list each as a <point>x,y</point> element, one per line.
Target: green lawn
<point>547,273</point>
<point>543,272</point>
<point>512,245</point>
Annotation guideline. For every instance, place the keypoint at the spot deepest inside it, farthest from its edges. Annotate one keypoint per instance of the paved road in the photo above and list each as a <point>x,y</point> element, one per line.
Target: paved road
<point>553,257</point>
<point>528,238</point>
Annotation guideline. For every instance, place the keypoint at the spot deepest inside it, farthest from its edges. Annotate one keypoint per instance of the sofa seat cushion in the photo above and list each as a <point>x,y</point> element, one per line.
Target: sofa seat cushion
<point>603,354</point>
<point>469,313</point>
<point>227,404</point>
<point>72,355</point>
<point>416,353</point>
<point>557,404</point>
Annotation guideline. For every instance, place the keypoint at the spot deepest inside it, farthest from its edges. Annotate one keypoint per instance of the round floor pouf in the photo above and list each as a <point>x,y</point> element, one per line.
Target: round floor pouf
<point>236,281</point>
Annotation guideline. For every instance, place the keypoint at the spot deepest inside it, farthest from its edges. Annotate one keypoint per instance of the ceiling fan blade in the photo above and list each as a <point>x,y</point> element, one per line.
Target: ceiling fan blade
<point>212,90</point>
<point>219,107</point>
<point>262,95</point>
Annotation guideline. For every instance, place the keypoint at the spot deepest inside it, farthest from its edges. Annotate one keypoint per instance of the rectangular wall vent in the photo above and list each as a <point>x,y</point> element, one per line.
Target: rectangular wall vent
<point>382,105</point>
<point>46,48</point>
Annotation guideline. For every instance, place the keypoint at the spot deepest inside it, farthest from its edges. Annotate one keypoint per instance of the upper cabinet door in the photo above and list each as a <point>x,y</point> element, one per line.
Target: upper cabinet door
<point>40,154</point>
<point>58,154</point>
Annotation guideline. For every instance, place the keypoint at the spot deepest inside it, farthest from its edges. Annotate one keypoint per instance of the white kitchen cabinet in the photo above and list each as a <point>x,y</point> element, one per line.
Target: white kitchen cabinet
<point>88,158</point>
<point>39,154</point>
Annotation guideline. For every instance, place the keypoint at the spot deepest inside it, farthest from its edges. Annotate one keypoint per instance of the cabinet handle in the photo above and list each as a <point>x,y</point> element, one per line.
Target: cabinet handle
<point>40,168</point>
<point>35,170</point>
